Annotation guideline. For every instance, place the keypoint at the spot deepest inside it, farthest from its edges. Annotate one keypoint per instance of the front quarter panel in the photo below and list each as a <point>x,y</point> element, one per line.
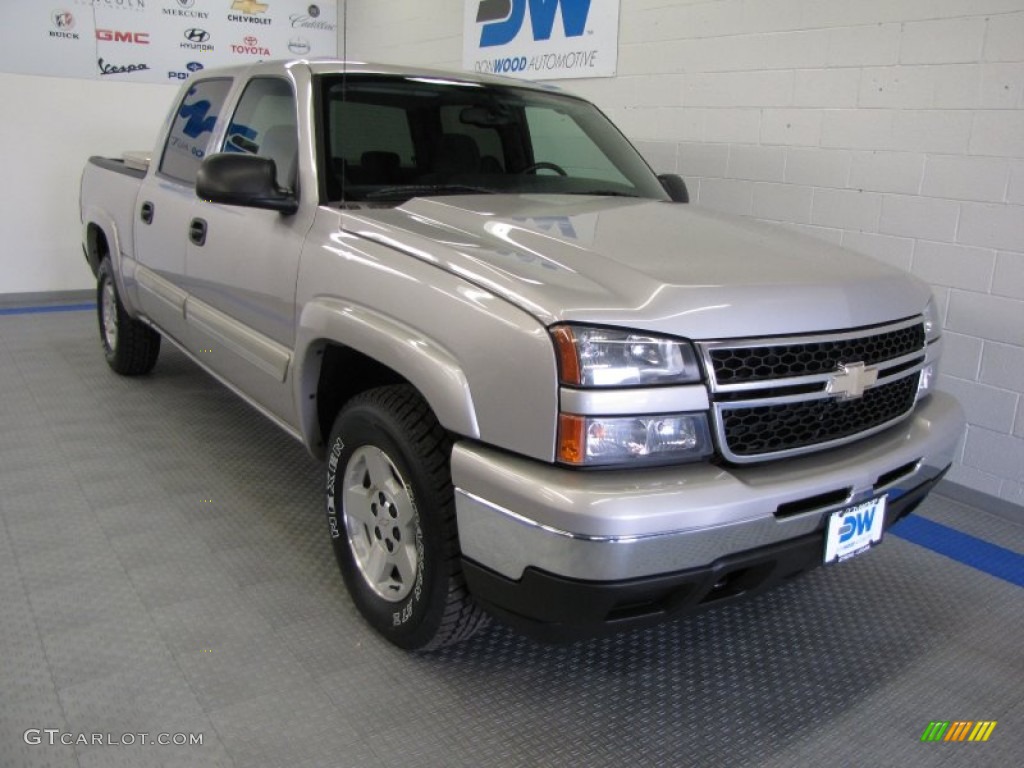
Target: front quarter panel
<point>486,367</point>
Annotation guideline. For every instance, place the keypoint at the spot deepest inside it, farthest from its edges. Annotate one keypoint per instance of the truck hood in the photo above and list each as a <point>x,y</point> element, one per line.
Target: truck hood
<point>644,264</point>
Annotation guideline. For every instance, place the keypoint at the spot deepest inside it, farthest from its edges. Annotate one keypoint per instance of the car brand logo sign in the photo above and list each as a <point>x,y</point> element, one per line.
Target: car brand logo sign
<point>193,66</point>
<point>313,11</point>
<point>299,46</point>
<point>195,35</point>
<point>249,6</point>
<point>63,20</point>
<point>186,3</point>
<point>851,381</point>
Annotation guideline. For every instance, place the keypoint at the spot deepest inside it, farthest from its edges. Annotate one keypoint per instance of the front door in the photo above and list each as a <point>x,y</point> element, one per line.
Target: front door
<point>242,263</point>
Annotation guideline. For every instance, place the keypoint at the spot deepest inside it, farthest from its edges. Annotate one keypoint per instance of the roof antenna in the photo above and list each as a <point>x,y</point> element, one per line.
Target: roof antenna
<point>344,87</point>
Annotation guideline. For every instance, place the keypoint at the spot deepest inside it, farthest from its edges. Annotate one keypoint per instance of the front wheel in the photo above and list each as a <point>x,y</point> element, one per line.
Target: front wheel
<point>391,516</point>
<point>131,347</point>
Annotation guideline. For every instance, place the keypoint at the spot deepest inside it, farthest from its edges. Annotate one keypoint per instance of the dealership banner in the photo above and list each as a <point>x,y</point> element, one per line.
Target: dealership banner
<point>159,41</point>
<point>541,39</point>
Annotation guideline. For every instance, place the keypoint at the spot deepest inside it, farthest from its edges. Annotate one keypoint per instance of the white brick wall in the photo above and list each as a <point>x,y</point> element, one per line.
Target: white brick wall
<point>895,127</point>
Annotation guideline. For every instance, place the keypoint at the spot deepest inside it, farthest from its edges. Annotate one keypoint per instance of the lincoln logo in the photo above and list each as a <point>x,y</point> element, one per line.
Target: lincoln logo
<point>197,35</point>
<point>851,380</point>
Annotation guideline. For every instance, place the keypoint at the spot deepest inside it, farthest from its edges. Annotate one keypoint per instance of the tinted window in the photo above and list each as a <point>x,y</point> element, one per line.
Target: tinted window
<point>390,138</point>
<point>264,124</point>
<point>192,129</point>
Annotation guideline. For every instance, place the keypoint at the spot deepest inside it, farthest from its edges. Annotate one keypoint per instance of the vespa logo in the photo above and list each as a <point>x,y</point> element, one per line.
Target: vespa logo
<point>503,19</point>
<point>195,35</point>
<point>851,381</point>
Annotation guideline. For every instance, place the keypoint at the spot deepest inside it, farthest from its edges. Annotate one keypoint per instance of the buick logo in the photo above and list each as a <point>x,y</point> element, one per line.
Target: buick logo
<point>299,46</point>
<point>186,3</point>
<point>313,11</point>
<point>195,35</point>
<point>63,20</point>
<point>193,66</point>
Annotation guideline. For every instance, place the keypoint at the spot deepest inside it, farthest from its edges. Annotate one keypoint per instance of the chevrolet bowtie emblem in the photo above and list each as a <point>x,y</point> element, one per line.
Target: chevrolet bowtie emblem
<point>851,380</point>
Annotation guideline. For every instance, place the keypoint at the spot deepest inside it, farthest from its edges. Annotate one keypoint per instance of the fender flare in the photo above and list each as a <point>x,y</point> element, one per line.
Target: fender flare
<point>93,216</point>
<point>419,359</point>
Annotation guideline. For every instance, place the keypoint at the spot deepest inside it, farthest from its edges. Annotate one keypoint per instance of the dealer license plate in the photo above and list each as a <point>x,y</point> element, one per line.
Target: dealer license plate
<point>854,530</point>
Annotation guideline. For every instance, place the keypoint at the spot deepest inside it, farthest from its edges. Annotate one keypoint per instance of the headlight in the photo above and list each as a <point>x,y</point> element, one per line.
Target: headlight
<point>604,357</point>
<point>932,326</point>
<point>629,440</point>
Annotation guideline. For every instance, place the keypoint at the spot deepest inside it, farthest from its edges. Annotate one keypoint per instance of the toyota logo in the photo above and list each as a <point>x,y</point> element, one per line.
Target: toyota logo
<point>197,35</point>
<point>250,41</point>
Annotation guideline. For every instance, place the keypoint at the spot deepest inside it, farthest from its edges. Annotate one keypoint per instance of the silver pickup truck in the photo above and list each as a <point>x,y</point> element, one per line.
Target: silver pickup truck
<point>543,388</point>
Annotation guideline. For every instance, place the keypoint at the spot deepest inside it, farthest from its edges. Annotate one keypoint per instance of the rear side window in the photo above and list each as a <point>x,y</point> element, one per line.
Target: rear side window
<point>192,129</point>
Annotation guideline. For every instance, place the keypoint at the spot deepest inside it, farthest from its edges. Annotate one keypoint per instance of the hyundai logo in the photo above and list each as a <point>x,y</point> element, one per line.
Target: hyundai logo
<point>197,35</point>
<point>193,66</point>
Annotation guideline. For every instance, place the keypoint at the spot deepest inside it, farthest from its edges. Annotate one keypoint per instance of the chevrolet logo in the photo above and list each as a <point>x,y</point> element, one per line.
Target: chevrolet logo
<point>851,380</point>
<point>249,6</point>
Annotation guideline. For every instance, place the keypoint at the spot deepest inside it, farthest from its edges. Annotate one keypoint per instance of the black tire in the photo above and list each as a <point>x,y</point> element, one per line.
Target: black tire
<point>391,516</point>
<point>131,347</point>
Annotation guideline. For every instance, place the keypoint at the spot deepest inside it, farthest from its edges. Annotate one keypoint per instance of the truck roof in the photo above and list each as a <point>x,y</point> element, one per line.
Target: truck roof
<point>328,66</point>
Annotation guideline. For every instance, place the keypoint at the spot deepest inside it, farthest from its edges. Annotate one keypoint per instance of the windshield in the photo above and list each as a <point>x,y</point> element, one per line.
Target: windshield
<point>391,138</point>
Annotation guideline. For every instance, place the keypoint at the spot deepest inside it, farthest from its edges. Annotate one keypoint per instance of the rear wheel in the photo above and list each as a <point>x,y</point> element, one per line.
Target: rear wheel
<point>391,513</point>
<point>131,347</point>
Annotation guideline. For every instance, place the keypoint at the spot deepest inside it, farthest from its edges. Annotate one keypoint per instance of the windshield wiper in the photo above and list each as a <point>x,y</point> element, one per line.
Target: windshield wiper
<point>605,193</point>
<point>424,190</point>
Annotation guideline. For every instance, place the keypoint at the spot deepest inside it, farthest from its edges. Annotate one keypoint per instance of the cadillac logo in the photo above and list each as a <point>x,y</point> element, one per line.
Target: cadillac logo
<point>851,381</point>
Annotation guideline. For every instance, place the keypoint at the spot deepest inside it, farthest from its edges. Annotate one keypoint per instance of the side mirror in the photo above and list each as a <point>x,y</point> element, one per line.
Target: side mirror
<point>675,186</point>
<point>246,180</point>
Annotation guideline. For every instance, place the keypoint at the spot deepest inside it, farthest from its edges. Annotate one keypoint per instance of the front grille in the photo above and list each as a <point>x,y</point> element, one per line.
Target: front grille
<point>768,429</point>
<point>770,396</point>
<point>734,365</point>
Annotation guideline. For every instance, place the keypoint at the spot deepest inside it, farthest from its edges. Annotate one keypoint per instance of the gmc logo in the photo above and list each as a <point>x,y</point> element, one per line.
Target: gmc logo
<point>110,35</point>
<point>503,19</point>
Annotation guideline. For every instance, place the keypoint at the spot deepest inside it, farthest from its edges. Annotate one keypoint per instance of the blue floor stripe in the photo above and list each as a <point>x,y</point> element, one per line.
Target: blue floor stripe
<point>43,310</point>
<point>996,561</point>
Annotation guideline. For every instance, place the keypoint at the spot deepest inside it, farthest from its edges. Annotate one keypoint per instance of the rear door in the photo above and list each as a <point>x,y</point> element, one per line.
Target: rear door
<point>165,203</point>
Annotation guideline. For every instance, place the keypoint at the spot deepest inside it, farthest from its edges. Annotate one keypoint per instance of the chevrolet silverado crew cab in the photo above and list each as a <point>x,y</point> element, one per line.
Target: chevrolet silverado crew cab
<point>542,388</point>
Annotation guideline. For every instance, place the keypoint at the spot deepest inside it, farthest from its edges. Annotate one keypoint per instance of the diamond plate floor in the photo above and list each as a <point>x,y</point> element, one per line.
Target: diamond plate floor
<point>164,568</point>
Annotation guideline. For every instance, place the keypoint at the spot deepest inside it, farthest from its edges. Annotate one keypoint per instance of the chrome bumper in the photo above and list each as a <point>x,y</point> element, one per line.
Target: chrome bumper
<point>515,513</point>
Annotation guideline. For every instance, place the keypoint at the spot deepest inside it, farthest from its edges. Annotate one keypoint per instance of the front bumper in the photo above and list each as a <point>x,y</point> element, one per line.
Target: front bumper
<point>539,531</point>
